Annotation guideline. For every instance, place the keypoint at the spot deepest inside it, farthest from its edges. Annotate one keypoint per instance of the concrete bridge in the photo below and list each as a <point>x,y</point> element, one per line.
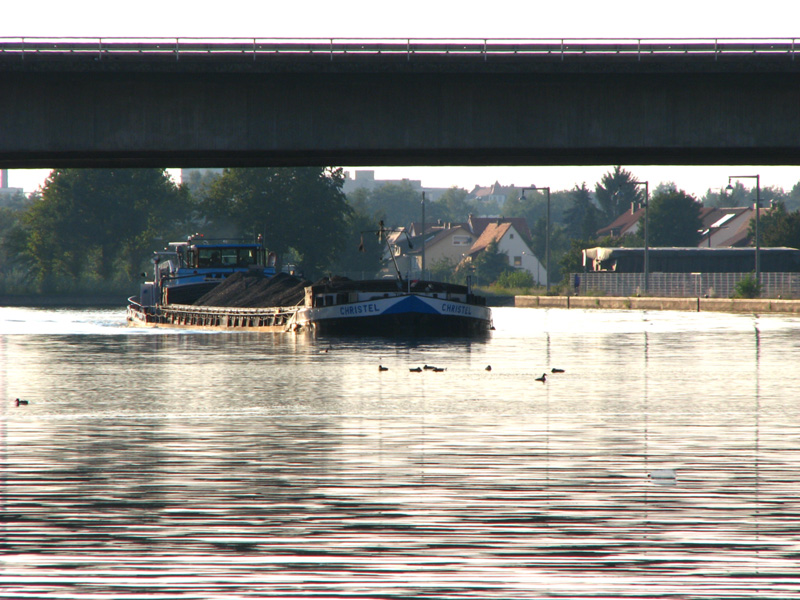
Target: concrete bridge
<point>190,102</point>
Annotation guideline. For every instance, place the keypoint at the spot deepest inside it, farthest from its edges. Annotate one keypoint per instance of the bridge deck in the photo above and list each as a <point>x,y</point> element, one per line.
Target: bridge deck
<point>335,49</point>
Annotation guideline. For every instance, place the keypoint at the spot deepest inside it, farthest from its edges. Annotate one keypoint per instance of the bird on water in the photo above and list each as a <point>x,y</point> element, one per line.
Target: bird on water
<point>543,378</point>
<point>556,370</point>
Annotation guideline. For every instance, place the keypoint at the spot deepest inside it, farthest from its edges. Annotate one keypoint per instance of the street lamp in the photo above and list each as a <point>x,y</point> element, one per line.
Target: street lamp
<point>758,210</point>
<point>422,276</point>
<point>646,185</point>
<point>547,231</point>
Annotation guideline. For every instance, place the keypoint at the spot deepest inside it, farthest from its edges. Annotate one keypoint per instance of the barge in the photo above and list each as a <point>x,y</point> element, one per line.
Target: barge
<point>234,287</point>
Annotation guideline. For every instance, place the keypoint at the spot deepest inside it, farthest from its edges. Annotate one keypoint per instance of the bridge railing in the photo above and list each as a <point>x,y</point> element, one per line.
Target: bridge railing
<point>406,48</point>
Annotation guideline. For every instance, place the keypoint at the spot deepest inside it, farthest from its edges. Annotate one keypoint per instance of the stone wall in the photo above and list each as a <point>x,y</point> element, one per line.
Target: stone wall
<point>654,303</point>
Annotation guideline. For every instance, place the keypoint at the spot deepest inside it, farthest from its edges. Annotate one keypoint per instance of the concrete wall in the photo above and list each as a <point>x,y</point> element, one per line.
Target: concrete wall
<point>231,112</point>
<point>649,303</point>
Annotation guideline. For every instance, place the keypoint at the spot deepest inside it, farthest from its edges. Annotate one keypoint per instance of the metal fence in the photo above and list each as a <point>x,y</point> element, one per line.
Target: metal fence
<point>686,285</point>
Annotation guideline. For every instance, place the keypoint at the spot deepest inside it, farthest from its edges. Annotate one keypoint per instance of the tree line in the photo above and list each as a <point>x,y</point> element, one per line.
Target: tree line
<point>95,229</point>
<point>88,230</point>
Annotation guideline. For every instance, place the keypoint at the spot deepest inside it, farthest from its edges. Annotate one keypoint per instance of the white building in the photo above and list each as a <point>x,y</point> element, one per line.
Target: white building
<point>7,194</point>
<point>510,242</point>
<point>366,179</point>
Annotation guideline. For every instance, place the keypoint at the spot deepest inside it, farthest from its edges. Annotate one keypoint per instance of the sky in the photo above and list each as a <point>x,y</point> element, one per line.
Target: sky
<point>528,19</point>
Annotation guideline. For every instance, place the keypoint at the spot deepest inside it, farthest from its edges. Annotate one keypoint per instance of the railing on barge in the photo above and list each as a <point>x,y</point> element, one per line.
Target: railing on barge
<point>186,315</point>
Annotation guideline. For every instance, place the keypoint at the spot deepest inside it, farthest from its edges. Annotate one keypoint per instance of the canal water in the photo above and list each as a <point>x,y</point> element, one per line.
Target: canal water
<point>662,463</point>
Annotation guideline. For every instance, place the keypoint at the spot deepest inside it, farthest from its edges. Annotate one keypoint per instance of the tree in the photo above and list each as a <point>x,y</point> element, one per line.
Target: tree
<point>616,192</point>
<point>792,201</point>
<point>739,196</point>
<point>487,265</point>
<point>531,207</point>
<point>100,222</point>
<point>572,260</point>
<point>362,251</point>
<point>396,204</point>
<point>777,227</point>
<point>301,209</point>
<point>582,218</point>
<point>14,255</point>
<point>442,270</point>
<point>674,218</point>
<point>198,180</point>
<point>451,207</point>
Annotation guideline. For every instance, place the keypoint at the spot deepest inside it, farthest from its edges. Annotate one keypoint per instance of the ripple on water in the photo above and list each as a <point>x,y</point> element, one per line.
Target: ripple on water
<point>192,466</point>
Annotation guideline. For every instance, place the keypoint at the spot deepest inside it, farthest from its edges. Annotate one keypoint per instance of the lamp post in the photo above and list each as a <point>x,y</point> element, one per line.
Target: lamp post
<point>547,231</point>
<point>646,185</point>
<point>422,276</point>
<point>758,210</point>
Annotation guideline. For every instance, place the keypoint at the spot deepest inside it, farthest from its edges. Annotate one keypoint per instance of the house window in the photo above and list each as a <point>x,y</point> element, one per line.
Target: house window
<point>462,240</point>
<point>517,261</point>
<point>511,236</point>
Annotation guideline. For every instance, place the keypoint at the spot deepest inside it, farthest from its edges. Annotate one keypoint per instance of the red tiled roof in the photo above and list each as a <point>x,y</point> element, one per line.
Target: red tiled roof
<point>622,223</point>
<point>493,232</point>
<point>478,224</point>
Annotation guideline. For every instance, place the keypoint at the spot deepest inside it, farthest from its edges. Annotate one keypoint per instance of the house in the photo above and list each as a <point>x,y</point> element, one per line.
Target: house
<point>510,242</point>
<point>477,225</point>
<point>728,227</point>
<point>722,227</point>
<point>494,196</point>
<point>443,241</point>
<point>457,242</point>
<point>627,222</point>
<point>448,243</point>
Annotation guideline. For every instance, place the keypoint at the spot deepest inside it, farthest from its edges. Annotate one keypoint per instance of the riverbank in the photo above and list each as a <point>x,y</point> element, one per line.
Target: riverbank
<point>756,305</point>
<point>37,301</point>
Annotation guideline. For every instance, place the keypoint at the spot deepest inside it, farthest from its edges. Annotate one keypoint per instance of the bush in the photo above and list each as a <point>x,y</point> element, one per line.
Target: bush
<point>515,279</point>
<point>748,287</point>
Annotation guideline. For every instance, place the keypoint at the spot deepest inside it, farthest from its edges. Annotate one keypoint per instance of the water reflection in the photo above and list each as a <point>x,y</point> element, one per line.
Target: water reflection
<point>192,465</point>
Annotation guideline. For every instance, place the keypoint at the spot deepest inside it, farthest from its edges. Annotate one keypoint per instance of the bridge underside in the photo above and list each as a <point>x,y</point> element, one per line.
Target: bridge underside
<point>190,116</point>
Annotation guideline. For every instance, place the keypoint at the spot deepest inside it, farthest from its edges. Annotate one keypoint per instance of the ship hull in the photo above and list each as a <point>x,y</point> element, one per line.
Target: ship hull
<point>406,315</point>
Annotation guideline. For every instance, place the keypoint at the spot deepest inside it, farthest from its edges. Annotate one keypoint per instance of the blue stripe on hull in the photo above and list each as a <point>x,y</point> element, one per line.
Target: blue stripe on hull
<point>410,304</point>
